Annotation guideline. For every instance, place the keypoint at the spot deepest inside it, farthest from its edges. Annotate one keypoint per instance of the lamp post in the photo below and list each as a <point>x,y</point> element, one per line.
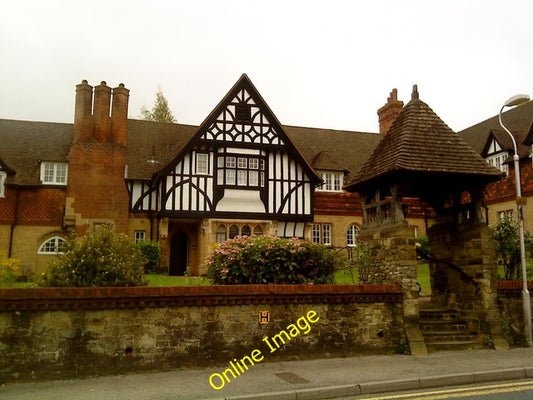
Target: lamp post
<point>511,102</point>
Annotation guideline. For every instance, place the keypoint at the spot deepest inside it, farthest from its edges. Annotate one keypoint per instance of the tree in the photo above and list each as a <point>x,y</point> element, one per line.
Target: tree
<point>160,112</point>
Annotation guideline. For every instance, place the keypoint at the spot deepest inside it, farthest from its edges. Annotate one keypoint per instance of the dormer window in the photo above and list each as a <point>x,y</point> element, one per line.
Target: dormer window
<point>332,181</point>
<point>53,173</point>
<point>496,156</point>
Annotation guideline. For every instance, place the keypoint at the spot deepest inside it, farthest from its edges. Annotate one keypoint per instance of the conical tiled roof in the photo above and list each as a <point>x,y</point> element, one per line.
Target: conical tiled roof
<point>420,142</point>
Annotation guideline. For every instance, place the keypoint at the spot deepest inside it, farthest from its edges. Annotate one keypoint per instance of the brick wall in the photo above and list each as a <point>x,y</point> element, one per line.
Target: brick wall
<point>96,185</point>
<point>67,333</point>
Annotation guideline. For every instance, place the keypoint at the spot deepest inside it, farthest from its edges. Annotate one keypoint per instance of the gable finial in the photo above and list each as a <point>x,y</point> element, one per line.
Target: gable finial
<point>414,94</point>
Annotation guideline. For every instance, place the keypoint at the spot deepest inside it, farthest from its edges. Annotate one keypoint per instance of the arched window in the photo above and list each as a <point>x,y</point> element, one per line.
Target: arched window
<point>53,245</point>
<point>221,234</point>
<point>246,231</point>
<point>258,231</point>
<point>351,235</point>
<point>233,231</point>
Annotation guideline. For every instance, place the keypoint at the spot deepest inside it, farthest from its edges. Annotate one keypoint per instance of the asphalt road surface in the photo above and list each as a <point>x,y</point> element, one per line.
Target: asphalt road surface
<point>516,390</point>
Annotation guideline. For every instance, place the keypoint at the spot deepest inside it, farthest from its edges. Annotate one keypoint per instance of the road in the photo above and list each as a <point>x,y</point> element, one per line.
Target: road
<point>516,390</point>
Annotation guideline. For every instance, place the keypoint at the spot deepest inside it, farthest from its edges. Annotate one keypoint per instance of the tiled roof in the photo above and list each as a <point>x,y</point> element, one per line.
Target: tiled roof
<point>23,144</point>
<point>327,149</point>
<point>518,120</point>
<point>152,145</point>
<point>420,142</point>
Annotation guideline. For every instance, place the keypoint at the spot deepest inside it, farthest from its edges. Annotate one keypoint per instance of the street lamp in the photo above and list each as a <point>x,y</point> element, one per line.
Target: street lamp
<point>511,102</point>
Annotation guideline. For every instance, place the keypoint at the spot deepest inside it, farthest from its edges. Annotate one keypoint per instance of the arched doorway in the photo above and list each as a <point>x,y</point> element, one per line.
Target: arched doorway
<point>179,254</point>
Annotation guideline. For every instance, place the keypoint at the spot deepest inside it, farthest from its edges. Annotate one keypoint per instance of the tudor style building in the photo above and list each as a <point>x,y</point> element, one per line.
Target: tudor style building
<point>238,174</point>
<point>189,187</point>
<point>241,172</point>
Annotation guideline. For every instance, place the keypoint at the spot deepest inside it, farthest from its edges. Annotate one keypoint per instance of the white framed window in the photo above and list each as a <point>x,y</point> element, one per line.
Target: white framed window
<point>3,176</point>
<point>333,181</point>
<point>351,235</point>
<point>230,177</point>
<point>322,234</point>
<point>242,170</point>
<point>498,161</point>
<point>53,245</point>
<point>242,177</point>
<point>242,163</point>
<point>254,163</point>
<point>506,214</point>
<point>53,173</point>
<point>140,236</point>
<point>253,180</point>
<point>202,163</point>
<point>230,162</point>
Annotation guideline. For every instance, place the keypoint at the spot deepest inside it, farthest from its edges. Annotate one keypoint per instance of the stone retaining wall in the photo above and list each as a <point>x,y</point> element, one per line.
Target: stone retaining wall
<point>67,333</point>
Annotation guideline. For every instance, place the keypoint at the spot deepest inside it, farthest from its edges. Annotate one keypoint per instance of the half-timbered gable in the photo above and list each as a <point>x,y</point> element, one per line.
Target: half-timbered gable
<point>240,164</point>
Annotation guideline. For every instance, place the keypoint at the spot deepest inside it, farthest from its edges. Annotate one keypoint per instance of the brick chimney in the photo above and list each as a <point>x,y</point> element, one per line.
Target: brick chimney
<point>92,121</point>
<point>96,192</point>
<point>388,113</point>
<point>119,115</point>
<point>102,99</point>
<point>82,130</point>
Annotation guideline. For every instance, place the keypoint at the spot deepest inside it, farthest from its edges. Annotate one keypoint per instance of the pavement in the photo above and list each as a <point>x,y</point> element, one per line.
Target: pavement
<point>293,380</point>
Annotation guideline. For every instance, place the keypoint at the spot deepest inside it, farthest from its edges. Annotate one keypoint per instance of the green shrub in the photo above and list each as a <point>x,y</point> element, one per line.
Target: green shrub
<point>104,258</point>
<point>268,259</point>
<point>152,252</point>
<point>10,271</point>
<point>507,240</point>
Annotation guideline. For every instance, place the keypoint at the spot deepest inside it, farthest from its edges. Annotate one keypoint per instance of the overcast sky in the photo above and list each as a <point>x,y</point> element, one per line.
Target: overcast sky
<point>327,64</point>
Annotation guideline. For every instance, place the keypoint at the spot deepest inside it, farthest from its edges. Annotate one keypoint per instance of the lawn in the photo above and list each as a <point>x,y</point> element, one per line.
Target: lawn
<point>165,280</point>
<point>422,278</point>
<point>342,277</point>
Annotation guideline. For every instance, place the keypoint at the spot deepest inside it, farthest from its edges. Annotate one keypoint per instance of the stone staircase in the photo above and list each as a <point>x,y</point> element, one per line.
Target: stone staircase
<point>444,330</point>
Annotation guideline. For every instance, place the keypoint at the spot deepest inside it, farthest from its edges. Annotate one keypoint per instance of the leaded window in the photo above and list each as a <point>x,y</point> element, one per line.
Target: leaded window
<point>322,234</point>
<point>332,182</point>
<point>351,235</point>
<point>53,245</point>
<point>53,173</point>
<point>241,171</point>
<point>202,163</point>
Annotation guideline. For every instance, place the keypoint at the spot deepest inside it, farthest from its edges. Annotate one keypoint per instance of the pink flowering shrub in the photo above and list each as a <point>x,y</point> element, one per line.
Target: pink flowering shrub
<point>268,259</point>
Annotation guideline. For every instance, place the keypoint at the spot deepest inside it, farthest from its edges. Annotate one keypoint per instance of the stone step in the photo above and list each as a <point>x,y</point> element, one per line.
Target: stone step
<point>450,336</point>
<point>443,325</point>
<point>443,330</point>
<point>438,315</point>
<point>453,345</point>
